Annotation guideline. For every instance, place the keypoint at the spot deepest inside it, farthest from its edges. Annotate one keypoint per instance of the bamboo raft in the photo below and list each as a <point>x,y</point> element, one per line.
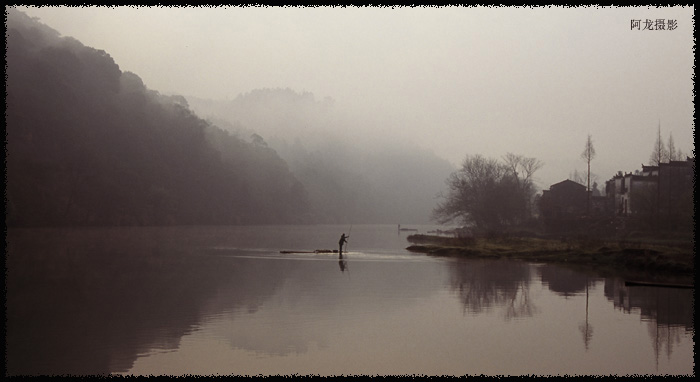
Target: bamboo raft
<point>315,251</point>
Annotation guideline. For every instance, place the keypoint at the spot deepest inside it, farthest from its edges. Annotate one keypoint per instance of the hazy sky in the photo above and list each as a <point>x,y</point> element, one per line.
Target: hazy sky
<point>457,80</point>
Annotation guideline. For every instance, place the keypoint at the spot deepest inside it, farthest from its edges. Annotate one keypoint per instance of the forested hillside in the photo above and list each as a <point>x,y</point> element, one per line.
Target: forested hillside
<point>88,144</point>
<point>352,171</point>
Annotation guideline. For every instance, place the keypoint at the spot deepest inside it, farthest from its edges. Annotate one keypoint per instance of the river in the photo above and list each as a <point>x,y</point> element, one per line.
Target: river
<point>225,301</point>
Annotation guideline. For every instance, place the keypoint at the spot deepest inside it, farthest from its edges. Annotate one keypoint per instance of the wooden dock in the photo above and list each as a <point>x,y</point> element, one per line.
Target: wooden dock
<point>660,285</point>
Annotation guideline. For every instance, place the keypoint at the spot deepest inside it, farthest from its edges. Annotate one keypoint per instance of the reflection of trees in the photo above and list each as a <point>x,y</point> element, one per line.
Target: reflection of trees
<point>668,311</point>
<point>92,301</point>
<point>89,301</point>
<point>485,284</point>
<point>520,304</point>
<point>585,327</point>
<point>665,312</point>
<point>664,337</point>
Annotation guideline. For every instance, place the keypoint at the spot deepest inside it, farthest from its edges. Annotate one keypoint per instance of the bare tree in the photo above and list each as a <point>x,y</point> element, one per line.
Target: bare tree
<point>671,148</point>
<point>659,154</point>
<point>673,153</point>
<point>487,195</point>
<point>523,169</point>
<point>588,154</point>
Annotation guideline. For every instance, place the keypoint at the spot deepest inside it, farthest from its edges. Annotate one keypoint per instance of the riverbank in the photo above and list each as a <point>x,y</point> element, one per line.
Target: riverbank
<point>657,257</point>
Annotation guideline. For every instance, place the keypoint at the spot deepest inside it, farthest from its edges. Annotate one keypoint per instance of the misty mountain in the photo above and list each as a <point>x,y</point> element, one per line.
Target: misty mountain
<point>88,144</point>
<point>352,172</point>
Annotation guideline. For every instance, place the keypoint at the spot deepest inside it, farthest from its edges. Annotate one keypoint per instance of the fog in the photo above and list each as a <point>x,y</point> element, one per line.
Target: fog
<point>453,80</point>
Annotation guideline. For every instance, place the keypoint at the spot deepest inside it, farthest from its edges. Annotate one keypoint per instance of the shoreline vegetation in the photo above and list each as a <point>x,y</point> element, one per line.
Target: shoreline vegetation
<point>650,257</point>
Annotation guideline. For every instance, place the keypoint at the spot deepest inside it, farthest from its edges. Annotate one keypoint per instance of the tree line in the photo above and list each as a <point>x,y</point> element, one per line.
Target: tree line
<point>351,169</point>
<point>88,144</point>
<point>491,196</point>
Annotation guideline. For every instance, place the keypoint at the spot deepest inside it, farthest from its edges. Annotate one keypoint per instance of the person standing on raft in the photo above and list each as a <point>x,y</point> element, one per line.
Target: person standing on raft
<point>343,240</point>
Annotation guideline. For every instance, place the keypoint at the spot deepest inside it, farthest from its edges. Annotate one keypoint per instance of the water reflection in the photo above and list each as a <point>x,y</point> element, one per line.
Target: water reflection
<point>585,327</point>
<point>667,306</point>
<point>97,301</point>
<point>485,284</point>
<point>563,281</point>
<point>668,312</point>
<point>89,302</point>
<point>343,264</point>
<point>568,282</point>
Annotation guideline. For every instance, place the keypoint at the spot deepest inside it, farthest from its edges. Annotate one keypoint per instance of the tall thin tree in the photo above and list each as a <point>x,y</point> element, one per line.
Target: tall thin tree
<point>674,154</point>
<point>671,148</point>
<point>659,153</point>
<point>588,154</point>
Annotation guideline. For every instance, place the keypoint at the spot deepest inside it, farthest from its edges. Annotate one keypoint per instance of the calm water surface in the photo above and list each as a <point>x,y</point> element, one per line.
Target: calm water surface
<point>224,300</point>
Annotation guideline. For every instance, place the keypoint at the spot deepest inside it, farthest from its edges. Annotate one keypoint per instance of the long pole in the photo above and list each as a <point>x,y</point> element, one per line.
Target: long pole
<point>347,242</point>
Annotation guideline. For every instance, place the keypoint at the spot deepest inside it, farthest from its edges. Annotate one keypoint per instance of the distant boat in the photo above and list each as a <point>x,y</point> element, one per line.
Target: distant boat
<point>406,229</point>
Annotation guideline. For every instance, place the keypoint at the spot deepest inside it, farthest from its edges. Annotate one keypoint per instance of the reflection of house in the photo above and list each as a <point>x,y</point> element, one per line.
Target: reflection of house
<point>669,306</point>
<point>562,281</point>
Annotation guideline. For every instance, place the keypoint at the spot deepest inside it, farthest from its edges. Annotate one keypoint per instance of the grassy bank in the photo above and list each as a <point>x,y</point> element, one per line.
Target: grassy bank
<point>649,256</point>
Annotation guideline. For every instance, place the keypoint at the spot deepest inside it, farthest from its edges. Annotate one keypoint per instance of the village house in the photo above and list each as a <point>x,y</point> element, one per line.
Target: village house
<point>621,188</point>
<point>565,204</point>
<point>568,199</point>
<point>564,201</point>
<point>676,186</point>
<point>663,190</point>
<point>655,195</point>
